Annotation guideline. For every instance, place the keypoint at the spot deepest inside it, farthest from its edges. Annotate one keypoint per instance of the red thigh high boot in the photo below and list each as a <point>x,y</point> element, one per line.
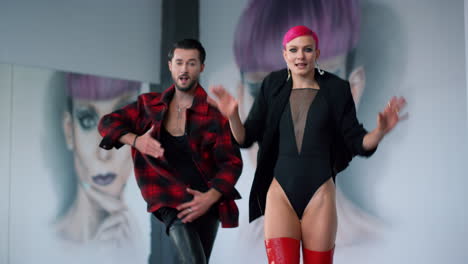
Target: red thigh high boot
<point>282,250</point>
<point>318,257</point>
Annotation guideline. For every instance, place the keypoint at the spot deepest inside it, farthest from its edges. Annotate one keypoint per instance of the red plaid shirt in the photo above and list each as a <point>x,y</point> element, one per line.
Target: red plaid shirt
<point>213,150</point>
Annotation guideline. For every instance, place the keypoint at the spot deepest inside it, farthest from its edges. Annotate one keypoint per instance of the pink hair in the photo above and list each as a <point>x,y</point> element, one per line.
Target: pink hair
<point>299,31</point>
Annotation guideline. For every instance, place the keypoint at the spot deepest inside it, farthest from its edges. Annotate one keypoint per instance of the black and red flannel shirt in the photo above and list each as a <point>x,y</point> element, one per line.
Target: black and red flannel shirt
<point>213,149</point>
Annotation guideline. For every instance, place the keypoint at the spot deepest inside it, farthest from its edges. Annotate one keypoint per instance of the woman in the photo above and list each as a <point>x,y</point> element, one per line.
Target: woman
<point>96,210</point>
<point>304,121</point>
<point>255,49</point>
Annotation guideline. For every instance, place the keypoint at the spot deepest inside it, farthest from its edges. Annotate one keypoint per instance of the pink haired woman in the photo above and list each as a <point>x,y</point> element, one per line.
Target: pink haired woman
<point>304,121</point>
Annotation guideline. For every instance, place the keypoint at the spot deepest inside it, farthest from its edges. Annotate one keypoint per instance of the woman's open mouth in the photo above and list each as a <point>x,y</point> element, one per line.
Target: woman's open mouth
<point>301,65</point>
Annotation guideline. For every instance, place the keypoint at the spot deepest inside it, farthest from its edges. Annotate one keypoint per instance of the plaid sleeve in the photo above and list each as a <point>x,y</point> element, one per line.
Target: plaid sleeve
<point>228,214</point>
<point>118,123</point>
<point>228,161</point>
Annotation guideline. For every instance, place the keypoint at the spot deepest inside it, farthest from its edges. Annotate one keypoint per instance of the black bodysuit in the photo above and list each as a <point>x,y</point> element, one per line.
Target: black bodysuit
<point>305,135</point>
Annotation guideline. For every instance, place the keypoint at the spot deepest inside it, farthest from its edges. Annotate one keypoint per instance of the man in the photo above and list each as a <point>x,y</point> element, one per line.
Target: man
<point>185,161</point>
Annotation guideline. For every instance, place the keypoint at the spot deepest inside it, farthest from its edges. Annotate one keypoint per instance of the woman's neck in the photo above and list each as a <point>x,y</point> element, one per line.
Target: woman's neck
<point>305,81</point>
<point>82,219</point>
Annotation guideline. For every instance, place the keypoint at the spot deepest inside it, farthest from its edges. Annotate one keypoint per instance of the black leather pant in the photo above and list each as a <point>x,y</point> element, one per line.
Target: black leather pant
<point>193,241</point>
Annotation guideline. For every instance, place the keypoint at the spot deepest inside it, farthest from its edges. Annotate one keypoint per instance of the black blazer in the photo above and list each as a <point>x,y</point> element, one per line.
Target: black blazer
<point>263,122</point>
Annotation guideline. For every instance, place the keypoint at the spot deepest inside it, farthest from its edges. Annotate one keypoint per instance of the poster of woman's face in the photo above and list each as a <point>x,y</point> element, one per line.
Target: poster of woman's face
<point>87,205</point>
<point>101,175</point>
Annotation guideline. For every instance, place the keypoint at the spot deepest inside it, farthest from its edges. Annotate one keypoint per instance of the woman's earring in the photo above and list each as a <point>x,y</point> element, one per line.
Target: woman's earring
<point>321,72</point>
<point>289,74</point>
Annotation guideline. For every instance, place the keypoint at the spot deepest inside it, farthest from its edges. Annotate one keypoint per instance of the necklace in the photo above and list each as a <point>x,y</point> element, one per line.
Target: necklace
<point>180,109</point>
<point>180,112</point>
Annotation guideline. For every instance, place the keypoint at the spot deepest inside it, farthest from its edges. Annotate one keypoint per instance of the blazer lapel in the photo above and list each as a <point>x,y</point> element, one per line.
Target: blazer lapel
<point>280,98</point>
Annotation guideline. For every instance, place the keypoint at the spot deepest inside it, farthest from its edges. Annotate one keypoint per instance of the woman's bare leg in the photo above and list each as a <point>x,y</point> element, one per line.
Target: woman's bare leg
<point>280,218</point>
<point>282,228</point>
<point>319,221</point>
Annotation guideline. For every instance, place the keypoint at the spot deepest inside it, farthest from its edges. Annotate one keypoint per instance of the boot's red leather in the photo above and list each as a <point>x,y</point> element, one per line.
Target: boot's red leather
<point>318,257</point>
<point>283,250</point>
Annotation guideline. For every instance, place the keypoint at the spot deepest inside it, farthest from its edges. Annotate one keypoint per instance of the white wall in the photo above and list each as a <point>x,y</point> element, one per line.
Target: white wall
<point>5,158</point>
<point>417,180</point>
<point>466,46</point>
<point>28,199</point>
<point>218,38</point>
<point>116,38</point>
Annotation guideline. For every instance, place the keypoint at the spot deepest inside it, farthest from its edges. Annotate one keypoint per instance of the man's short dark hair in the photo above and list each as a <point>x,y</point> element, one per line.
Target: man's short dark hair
<point>188,44</point>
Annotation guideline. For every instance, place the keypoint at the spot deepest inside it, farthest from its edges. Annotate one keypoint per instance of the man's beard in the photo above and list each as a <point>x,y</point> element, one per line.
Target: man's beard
<point>188,88</point>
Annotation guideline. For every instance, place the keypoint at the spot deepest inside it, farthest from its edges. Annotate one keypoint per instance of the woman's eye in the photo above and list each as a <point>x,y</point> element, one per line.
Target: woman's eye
<point>309,50</point>
<point>292,50</point>
<point>87,119</point>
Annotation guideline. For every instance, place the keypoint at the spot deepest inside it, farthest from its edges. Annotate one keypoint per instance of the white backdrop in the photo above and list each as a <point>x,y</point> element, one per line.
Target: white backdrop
<point>5,135</point>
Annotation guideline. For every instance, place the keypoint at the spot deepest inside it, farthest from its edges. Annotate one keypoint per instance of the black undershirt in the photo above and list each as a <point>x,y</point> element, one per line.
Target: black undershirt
<point>179,156</point>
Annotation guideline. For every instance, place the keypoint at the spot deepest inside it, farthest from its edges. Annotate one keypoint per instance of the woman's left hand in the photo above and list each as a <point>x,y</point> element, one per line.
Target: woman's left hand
<point>388,119</point>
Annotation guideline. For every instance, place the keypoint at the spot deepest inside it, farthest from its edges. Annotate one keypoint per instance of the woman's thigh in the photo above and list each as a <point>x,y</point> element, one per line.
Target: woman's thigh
<point>319,222</point>
<point>280,218</point>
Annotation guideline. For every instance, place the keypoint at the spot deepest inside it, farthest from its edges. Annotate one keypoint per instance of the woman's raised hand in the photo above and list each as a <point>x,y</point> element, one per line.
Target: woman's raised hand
<point>388,119</point>
<point>225,102</point>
